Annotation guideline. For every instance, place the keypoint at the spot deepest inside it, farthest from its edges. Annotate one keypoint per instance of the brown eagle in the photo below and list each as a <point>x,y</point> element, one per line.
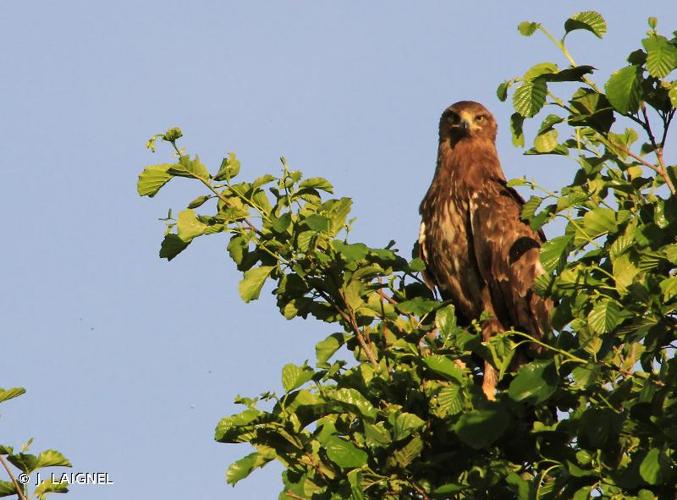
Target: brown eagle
<point>477,250</point>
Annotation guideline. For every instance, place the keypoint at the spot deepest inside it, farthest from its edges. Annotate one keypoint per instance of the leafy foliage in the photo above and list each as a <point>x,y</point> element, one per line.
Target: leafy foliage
<point>402,414</point>
<point>27,464</point>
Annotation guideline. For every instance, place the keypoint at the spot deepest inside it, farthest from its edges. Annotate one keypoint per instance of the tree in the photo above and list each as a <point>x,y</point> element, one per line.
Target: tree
<point>27,464</point>
<point>392,405</point>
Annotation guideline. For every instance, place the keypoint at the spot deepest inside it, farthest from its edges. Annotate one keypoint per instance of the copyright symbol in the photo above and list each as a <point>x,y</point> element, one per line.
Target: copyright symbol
<point>23,478</point>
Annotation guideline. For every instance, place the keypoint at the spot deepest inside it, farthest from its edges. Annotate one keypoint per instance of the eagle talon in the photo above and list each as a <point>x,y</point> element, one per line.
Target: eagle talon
<point>489,381</point>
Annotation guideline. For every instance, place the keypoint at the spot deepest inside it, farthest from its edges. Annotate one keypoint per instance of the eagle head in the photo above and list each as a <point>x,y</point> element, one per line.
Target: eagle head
<point>467,120</point>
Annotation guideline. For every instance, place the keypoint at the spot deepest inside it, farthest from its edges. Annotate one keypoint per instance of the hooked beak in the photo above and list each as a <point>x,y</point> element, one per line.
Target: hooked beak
<point>462,126</point>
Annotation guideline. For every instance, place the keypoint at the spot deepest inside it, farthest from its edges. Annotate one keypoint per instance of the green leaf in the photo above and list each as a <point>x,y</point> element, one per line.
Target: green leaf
<point>529,97</point>
<point>405,424</point>
<point>590,108</point>
<point>24,461</point>
<point>52,458</point>
<point>417,306</point>
<point>525,490</point>
<point>605,316</point>
<point>172,246</point>
<point>597,427</point>
<point>235,428</point>
<point>518,181</point>
<point>446,490</point>
<point>417,265</point>
<point>326,348</point>
<point>450,400</point>
<point>262,181</point>
<point>295,376</point>
<point>527,28</point>
<point>282,223</point>
<point>548,122</point>
<point>252,282</point>
<point>377,435</point>
<point>354,399</point>
<point>502,90</point>
<point>530,207</point>
<point>624,89</point>
<point>230,167</point>
<point>445,320</point>
<point>480,428</point>
<point>599,221</point>
<point>351,252</point>
<point>535,382</point>
<point>587,20</point>
<point>669,288</point>
<point>624,272</point>
<point>241,468</point>
<point>344,453</point>
<point>673,94</point>
<point>443,365</point>
<point>49,486</point>
<point>661,56</point>
<point>188,225</point>
<point>502,350</point>
<point>14,392</point>
<point>7,489</point>
<point>546,142</point>
<point>582,493</point>
<point>646,495</point>
<point>572,74</point>
<point>406,455</point>
<point>152,179</point>
<point>317,183</point>
<point>650,469</point>
<point>317,222</point>
<point>199,201</point>
<point>189,168</point>
<point>540,69</point>
<point>337,211</point>
<point>542,217</point>
<point>237,247</point>
<point>516,122</point>
<point>553,252</point>
<point>356,486</point>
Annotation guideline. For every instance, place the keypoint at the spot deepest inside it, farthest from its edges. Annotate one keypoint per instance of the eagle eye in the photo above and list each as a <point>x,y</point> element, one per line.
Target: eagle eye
<point>480,118</point>
<point>453,118</point>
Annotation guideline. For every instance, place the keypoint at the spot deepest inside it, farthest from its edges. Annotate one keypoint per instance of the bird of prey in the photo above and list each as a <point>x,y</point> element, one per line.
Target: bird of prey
<point>478,252</point>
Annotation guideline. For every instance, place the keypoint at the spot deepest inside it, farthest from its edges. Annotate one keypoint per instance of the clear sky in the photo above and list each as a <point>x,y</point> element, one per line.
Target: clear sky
<point>130,361</point>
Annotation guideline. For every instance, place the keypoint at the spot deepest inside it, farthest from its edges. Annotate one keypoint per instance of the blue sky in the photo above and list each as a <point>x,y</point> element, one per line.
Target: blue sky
<point>130,361</point>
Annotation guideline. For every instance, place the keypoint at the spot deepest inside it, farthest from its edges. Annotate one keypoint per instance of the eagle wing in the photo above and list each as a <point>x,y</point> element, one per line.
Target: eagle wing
<point>423,255</point>
<point>507,252</point>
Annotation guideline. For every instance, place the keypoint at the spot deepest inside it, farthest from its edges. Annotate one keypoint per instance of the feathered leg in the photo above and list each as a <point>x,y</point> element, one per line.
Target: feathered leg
<point>490,378</point>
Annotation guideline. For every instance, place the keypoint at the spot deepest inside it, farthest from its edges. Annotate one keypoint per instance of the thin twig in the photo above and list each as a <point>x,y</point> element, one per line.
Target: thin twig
<point>660,170</point>
<point>666,126</point>
<point>19,489</point>
<point>647,127</point>
<point>420,491</point>
<point>534,340</point>
<point>350,319</point>
<point>364,341</point>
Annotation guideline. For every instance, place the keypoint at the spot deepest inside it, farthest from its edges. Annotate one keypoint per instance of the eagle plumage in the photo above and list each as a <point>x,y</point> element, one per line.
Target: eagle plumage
<point>478,252</point>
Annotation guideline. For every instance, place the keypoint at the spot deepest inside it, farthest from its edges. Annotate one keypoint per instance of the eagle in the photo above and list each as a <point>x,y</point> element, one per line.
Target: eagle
<point>478,252</point>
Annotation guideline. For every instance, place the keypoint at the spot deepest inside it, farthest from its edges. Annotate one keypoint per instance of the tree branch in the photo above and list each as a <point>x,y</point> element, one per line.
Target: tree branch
<point>660,169</point>
<point>19,488</point>
<point>352,322</point>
